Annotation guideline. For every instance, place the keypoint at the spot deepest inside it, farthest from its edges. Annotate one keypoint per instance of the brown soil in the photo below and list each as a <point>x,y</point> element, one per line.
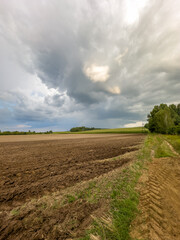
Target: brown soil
<point>159,189</point>
<point>32,169</point>
<point>63,223</point>
<point>46,137</point>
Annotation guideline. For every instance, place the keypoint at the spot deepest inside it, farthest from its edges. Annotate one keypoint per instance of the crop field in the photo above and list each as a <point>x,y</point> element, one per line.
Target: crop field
<point>120,130</point>
<point>113,131</point>
<point>51,185</point>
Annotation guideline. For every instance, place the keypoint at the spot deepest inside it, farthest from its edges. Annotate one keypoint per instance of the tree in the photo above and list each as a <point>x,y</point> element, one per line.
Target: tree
<point>178,109</point>
<point>164,119</point>
<point>151,119</point>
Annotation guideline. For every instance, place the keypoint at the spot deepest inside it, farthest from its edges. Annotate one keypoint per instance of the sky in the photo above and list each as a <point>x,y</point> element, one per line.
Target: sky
<point>103,63</point>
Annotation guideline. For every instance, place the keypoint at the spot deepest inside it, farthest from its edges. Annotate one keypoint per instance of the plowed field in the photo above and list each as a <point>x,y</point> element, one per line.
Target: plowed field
<point>32,168</point>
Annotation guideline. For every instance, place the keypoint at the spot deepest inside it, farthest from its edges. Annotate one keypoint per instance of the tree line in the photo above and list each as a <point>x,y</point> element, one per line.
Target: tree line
<point>164,119</point>
<point>23,133</point>
<point>83,128</point>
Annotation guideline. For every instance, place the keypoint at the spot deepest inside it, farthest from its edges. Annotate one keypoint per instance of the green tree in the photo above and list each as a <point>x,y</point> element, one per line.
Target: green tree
<point>164,119</point>
<point>178,109</point>
<point>151,119</point>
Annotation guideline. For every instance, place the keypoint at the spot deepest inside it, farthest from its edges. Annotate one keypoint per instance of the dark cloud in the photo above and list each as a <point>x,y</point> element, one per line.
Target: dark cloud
<point>47,47</point>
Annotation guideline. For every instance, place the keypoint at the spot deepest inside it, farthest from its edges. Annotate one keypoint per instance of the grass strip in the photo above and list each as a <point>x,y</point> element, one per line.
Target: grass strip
<point>174,140</point>
<point>115,224</point>
<point>161,147</point>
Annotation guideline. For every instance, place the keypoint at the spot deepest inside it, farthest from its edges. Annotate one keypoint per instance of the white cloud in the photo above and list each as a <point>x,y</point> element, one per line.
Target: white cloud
<point>97,73</point>
<point>135,124</point>
<point>132,10</point>
<point>120,56</point>
<point>23,126</point>
<point>114,90</point>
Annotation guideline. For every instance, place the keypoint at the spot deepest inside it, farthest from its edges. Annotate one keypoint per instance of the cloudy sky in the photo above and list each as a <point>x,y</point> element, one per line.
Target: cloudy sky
<point>103,63</point>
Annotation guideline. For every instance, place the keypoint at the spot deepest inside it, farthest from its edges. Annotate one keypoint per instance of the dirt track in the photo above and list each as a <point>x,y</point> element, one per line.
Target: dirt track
<point>159,201</point>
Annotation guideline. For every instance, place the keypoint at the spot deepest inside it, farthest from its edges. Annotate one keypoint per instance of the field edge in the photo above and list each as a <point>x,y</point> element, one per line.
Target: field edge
<point>124,198</point>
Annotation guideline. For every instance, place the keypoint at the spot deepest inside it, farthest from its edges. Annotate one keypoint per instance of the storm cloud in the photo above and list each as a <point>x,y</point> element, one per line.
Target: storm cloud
<point>98,63</point>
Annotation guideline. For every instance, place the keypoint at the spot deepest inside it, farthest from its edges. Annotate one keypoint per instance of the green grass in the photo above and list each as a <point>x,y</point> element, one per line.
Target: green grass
<point>70,198</point>
<point>123,209</point>
<point>15,212</point>
<point>160,146</point>
<point>88,193</point>
<point>174,140</point>
<point>115,130</point>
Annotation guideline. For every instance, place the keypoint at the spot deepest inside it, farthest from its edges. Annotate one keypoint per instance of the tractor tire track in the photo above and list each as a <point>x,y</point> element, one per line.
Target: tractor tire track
<point>159,201</point>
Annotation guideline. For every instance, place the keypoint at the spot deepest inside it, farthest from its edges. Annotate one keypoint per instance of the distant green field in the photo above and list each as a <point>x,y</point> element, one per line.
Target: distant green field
<point>100,131</point>
<point>115,130</point>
